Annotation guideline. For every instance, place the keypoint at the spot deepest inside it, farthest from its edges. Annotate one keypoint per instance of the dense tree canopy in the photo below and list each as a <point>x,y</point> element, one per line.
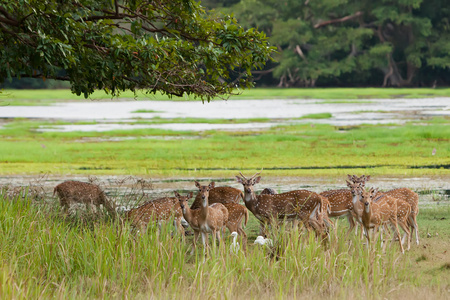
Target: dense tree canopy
<point>367,42</point>
<point>172,46</point>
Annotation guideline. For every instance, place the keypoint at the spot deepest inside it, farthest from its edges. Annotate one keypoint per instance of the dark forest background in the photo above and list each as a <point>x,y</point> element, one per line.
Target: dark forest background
<point>340,43</point>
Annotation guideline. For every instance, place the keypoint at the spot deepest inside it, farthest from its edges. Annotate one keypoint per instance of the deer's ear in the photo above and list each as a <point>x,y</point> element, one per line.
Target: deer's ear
<point>197,184</point>
<point>190,195</point>
<point>239,179</point>
<point>348,183</point>
<point>212,185</point>
<point>256,180</point>
<point>367,178</point>
<point>349,177</point>
<point>176,194</point>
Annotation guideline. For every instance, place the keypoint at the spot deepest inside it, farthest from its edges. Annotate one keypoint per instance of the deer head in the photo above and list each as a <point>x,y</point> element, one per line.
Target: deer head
<point>355,188</point>
<point>363,179</point>
<point>249,183</point>
<point>183,199</point>
<point>204,191</point>
<point>367,197</point>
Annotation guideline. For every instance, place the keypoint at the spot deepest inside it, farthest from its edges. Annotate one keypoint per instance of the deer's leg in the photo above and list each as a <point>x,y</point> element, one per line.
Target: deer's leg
<point>179,227</point>
<point>407,234</point>
<point>413,221</point>
<point>205,241</point>
<point>351,223</point>
<point>194,241</point>
<point>397,233</point>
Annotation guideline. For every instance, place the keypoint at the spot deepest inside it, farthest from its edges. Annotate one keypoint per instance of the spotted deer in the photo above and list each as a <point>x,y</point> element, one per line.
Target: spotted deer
<point>412,199</point>
<point>220,194</point>
<point>403,194</point>
<point>236,214</point>
<point>340,204</point>
<point>302,205</point>
<point>206,219</point>
<point>383,209</point>
<point>84,193</point>
<point>158,210</point>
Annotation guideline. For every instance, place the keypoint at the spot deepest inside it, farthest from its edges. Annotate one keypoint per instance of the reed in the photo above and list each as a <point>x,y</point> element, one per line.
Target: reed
<point>46,255</point>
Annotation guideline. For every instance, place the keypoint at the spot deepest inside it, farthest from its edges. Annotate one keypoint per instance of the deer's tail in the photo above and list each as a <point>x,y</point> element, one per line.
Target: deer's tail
<point>245,217</point>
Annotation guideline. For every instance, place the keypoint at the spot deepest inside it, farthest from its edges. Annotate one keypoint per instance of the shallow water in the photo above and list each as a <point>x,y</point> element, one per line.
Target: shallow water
<point>109,114</point>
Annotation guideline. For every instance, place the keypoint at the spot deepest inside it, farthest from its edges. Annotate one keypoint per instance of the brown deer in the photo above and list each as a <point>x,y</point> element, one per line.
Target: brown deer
<point>220,194</point>
<point>302,205</point>
<point>158,210</point>
<point>404,194</point>
<point>236,212</point>
<point>379,210</point>
<point>340,204</point>
<point>83,192</point>
<point>412,199</point>
<point>206,219</point>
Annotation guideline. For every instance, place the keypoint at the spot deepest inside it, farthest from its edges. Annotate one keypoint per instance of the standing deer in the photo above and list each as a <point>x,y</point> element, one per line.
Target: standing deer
<point>412,199</point>
<point>340,204</point>
<point>220,194</point>
<point>158,210</point>
<point>303,205</point>
<point>83,192</point>
<point>236,212</point>
<point>206,219</point>
<point>383,209</point>
<point>404,194</point>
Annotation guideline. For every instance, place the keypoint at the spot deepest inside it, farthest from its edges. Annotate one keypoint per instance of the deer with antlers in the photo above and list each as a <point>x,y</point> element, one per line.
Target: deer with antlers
<point>82,192</point>
<point>206,219</point>
<point>158,210</point>
<point>302,205</point>
<point>383,209</point>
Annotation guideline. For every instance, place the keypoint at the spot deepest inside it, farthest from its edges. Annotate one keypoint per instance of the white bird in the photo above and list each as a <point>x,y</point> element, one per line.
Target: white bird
<point>260,240</point>
<point>234,247</point>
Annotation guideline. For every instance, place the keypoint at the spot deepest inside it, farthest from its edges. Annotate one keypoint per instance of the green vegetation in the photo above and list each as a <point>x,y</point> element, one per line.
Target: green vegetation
<point>174,47</point>
<point>317,116</point>
<point>44,255</point>
<point>145,111</point>
<point>347,43</point>
<point>284,150</point>
<point>331,95</point>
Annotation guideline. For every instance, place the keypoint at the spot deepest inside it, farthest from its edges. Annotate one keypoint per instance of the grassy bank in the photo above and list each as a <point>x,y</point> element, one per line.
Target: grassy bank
<point>40,97</point>
<point>43,255</point>
<point>282,151</point>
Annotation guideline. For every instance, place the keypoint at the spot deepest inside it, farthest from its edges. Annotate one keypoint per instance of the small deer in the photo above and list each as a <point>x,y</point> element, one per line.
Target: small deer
<point>412,199</point>
<point>206,219</point>
<point>236,214</point>
<point>158,210</point>
<point>83,192</point>
<point>302,205</point>
<point>221,194</point>
<point>382,209</point>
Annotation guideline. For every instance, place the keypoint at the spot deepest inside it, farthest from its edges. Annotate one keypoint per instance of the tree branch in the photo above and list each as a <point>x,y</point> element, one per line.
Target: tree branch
<point>341,20</point>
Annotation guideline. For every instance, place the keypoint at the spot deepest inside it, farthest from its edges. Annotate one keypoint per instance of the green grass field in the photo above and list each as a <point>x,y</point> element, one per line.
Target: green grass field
<point>334,95</point>
<point>282,151</point>
<point>44,255</point>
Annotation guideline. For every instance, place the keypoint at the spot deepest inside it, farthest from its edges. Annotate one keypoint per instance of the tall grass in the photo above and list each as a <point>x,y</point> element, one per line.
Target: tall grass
<point>45,255</point>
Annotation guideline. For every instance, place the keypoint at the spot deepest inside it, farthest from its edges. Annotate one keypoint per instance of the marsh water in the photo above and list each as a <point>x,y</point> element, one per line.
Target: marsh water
<point>109,115</point>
